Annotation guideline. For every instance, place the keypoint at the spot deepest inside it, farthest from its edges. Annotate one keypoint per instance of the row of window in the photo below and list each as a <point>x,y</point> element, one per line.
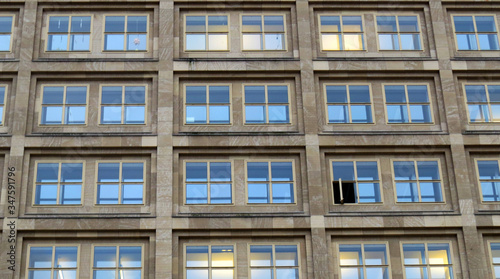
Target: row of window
<point>266,182</point>
<point>356,260</point>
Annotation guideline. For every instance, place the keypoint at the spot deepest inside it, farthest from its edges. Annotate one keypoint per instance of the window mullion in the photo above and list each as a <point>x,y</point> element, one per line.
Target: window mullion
<point>207,96</point>
<point>487,87</point>
<point>266,95</point>
<point>120,183</point>
<point>206,37</point>
<point>117,268</point>
<point>209,186</point>
<point>348,87</point>
<point>123,106</point>
<point>69,33</point>
<point>270,181</point>
<point>59,183</point>
<point>418,181</point>
<point>355,181</point>
<point>125,34</point>
<point>408,108</point>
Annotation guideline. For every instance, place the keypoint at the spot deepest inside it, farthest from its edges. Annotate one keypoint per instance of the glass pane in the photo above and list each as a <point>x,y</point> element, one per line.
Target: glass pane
<point>350,254</point>
<point>488,169</point>
<point>488,41</point>
<point>257,171</point>
<point>430,192</point>
<point>377,273</point>
<point>80,24</point>
<point>410,42</point>
<point>196,274</point>
<point>491,191</point>
<point>197,256</point>
<point>278,114</point>
<point>137,24</point>
<point>408,24</point>
<point>479,113</point>
<point>115,24</point>
<point>404,170</point>
<point>414,253</point>
<point>196,95</point>
<point>338,114</point>
<point>359,94</point>
<point>497,271</point>
<point>57,42</point>
<point>286,255</point>
<point>367,170</point>
<point>129,274</point>
<point>274,41</point>
<point>255,94</point>
<point>369,192</point>
<point>287,273</point>
<point>104,274</point>
<point>130,256</point>
<point>261,255</point>
<point>466,42</point>
<point>76,95</point>
<point>132,194</point>
<point>261,273</point>
<point>440,272</point>
<point>137,41</point>
<point>58,24</point>
<point>70,194</point>
<point>217,42</point>
<point>104,256</point>
<point>5,42</point>
<point>252,42</point>
<point>6,24</point>
<point>135,115</point>
<point>53,95</point>
<point>330,23</point>
<point>330,42</point>
<point>361,114</point>
<point>397,114</point>
<point>46,194</point>
<point>39,274</point>
<point>2,95</point>
<point>220,193</point>
<point>281,171</point>
<point>196,115</point>
<point>196,194</point>
<point>195,23</point>
<point>336,94</point>
<point>196,172</point>
<point>71,172</point>
<point>273,24</point>
<point>65,274</point>
<point>107,194</point>
<point>428,170</point>
<point>40,257</point>
<point>386,24</point>
<point>79,42</point>
<point>416,272</point>
<point>495,113</point>
<point>195,42</point>
<point>111,115</point>
<point>283,193</point>
<point>439,253</point>
<point>111,95</point>
<point>219,114</point>
<point>343,170</point>
<point>258,193</point>
<point>351,273</point>
<point>395,94</point>
<point>114,42</point>
<point>277,94</point>
<point>417,94</point>
<point>375,254</point>
<point>493,91</point>
<point>51,115</point>
<point>388,41</point>
<point>463,24</point>
<point>47,172</point>
<point>485,24</point>
<point>135,94</point>
<point>352,23</point>
<point>222,256</point>
<point>252,23</point>
<point>420,114</point>
<point>217,94</point>
<point>255,114</point>
<point>495,252</point>
<point>407,192</point>
<point>220,171</point>
<point>353,42</point>
<point>66,257</point>
<point>108,172</point>
<point>217,24</point>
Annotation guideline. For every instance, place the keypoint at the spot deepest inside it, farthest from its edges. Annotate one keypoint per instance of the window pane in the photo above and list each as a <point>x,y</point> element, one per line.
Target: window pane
<point>104,256</point>
<point>51,115</point>
<point>6,24</point>
<point>219,114</point>
<point>414,253</point>
<point>274,24</point>
<point>130,256</point>
<point>261,273</point>
<point>255,114</point>
<point>258,193</point>
<point>57,42</point>
<point>111,115</point>
<point>490,191</point>
<point>388,42</point>
<point>114,41</point>
<point>395,94</point>
<point>288,273</point>
<point>220,193</point>
<point>466,42</point>
<point>137,41</point>
<point>377,273</point>
<point>58,24</point>
<point>369,192</point>
<point>217,42</point>
<point>197,274</point>
<point>5,42</point>
<point>417,94</point>
<point>386,24</point>
<point>104,274</point>
<point>107,194</point>
<point>197,256</point>
<point>404,170</point>
<point>277,94</point>
<point>278,114</point>
<point>353,42</point>
<point>53,95</point>
<point>261,255</point>
<point>350,254</point>
<point>359,94</point>
<point>80,24</point>
<point>65,274</point>
<point>416,272</point>
<point>252,23</point>
<point>135,115</point>
<point>420,114</point>
<point>115,24</point>
<point>222,273</point>
<point>46,194</point>
<point>79,42</point>
<point>2,95</point>
<point>330,23</point>
<point>40,257</point>
<point>196,172</point>
<point>330,42</point>
<point>71,172</point>
<point>408,24</point>
<point>367,170</point>
<point>132,194</point>
<point>195,23</point>
<point>130,274</point>
<point>109,172</point>
<point>134,95</point>
<point>351,273</point>
<point>132,172</point>
<point>196,115</point>
<point>463,24</point>
<point>66,257</point>
<point>495,252</point>
<point>375,254</point>
<point>336,94</point>
<point>281,171</point>
<point>70,194</point>
<point>410,42</point>
<point>258,171</point>
<point>479,113</point>
<point>343,170</point>
<point>47,172</point>
<point>76,95</point>
<point>488,41</point>
<point>137,24</point>
<point>255,94</point>
<point>495,113</point>
<point>485,24</point>
<point>439,253</point>
<point>493,90</point>
<point>430,192</point>
<point>361,114</point>
<point>407,192</point>
<point>196,194</point>
<point>220,171</point>
<point>222,256</point>
<point>338,114</point>
<point>252,42</point>
<point>217,94</point>
<point>286,255</point>
<point>488,169</point>
<point>111,95</point>
<point>352,23</point>
<point>428,170</point>
<point>397,113</point>
<point>274,41</point>
<point>283,193</point>
<point>195,42</point>
<point>196,95</point>
<point>217,24</point>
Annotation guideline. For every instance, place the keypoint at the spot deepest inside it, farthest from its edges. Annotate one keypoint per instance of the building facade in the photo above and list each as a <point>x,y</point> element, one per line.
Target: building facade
<point>154,139</point>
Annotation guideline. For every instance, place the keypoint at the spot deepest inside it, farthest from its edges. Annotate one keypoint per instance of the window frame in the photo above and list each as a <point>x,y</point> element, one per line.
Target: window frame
<point>209,267</point>
<point>123,105</point>
<point>326,104</point>
<point>206,15</point>
<point>417,180</point>
<point>59,182</point>
<point>363,25</point>
<point>117,267</point>
<point>478,178</point>
<point>4,105</point>
<point>125,32</point>
<point>266,104</point>
<point>232,181</point>
<point>408,104</point>
<point>12,31</point>
<point>488,102</point>
<point>363,266</point>
<point>420,33</point>
<point>270,182</point>
<point>207,105</point>
<point>355,160</point>
<point>475,31</point>
<point>120,183</point>
<point>52,268</point>
<point>47,33</point>
<point>63,105</point>
<point>263,33</point>
<point>428,265</point>
<point>273,267</point>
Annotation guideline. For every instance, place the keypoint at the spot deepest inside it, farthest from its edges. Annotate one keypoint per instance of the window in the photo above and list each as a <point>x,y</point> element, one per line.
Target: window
<point>120,183</point>
<point>53,262</point>
<point>495,258</point>
<point>263,32</point>
<point>398,33</point>
<point>123,104</point>
<point>427,260</point>
<point>358,261</point>
<point>274,261</point>
<point>116,262</point>
<point>69,33</point>
<point>483,103</point>
<point>417,181</point>
<point>489,179</point>
<point>58,183</point>
<point>208,183</point>
<point>341,32</point>
<point>208,104</point>
<point>3,93</point>
<point>210,261</point>
<point>126,33</point>
<point>356,182</point>
<point>266,104</point>
<point>207,33</point>
<point>64,105</point>
<point>6,30</point>
<point>348,104</point>
<point>407,104</point>
<point>270,182</point>
<point>476,32</point>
